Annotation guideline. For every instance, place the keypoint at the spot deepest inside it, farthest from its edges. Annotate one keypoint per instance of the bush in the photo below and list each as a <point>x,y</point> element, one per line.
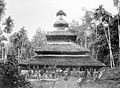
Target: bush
<point>10,75</point>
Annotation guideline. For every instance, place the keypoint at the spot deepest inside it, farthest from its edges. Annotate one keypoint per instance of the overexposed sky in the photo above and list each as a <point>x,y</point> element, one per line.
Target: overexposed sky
<point>42,13</point>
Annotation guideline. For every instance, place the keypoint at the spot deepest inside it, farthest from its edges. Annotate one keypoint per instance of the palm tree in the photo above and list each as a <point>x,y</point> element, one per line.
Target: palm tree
<point>109,43</point>
<point>7,29</point>
<point>2,38</point>
<point>117,4</point>
<point>8,25</point>
<point>100,15</point>
<point>2,8</point>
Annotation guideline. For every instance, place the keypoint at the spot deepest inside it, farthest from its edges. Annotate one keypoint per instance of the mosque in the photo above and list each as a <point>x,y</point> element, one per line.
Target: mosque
<point>61,51</point>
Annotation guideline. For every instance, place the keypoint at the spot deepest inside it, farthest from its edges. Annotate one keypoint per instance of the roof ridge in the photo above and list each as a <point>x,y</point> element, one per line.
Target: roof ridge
<point>65,55</point>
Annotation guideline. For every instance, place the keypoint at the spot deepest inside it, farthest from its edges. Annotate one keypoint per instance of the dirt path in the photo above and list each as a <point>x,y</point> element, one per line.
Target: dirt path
<point>70,83</point>
<point>89,85</point>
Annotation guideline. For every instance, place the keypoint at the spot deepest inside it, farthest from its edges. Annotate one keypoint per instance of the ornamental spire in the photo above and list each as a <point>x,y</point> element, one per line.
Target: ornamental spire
<point>61,24</point>
<point>60,13</point>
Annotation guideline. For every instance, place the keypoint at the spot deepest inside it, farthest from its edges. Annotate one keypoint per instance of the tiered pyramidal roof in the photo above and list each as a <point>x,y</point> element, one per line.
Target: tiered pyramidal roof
<point>61,49</point>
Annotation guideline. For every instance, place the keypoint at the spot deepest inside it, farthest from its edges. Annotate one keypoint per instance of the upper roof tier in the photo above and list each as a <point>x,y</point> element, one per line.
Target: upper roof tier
<point>61,22</point>
<point>61,35</point>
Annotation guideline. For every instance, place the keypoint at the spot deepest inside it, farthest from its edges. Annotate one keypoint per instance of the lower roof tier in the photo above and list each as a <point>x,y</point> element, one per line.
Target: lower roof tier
<point>61,47</point>
<point>63,61</point>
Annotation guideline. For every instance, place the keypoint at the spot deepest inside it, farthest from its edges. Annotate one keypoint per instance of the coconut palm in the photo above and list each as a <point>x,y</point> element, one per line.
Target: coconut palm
<point>105,20</point>
<point>117,4</point>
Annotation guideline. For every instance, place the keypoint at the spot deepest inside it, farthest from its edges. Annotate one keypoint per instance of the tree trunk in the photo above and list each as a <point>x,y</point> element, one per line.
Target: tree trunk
<point>96,51</point>
<point>2,52</point>
<point>93,52</point>
<point>18,55</point>
<point>119,42</point>
<point>111,54</point>
<point>109,45</point>
<point>118,7</point>
<point>96,55</point>
<point>86,42</point>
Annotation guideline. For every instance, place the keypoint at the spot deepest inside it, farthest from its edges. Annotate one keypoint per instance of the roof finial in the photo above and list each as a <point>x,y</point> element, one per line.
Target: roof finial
<point>60,13</point>
<point>61,23</point>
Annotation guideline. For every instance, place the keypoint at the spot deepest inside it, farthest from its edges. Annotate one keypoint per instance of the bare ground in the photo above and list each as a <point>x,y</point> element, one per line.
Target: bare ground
<point>72,83</point>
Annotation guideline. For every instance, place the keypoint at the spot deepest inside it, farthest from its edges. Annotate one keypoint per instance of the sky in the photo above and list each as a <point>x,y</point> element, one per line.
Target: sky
<point>35,14</point>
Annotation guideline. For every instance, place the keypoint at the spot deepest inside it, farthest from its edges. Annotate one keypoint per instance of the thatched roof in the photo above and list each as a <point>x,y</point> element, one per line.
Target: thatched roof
<point>60,32</point>
<point>63,61</point>
<point>62,47</point>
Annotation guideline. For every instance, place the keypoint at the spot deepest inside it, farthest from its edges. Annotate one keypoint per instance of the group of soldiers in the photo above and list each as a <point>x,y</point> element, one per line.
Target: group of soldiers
<point>45,73</point>
<point>53,73</point>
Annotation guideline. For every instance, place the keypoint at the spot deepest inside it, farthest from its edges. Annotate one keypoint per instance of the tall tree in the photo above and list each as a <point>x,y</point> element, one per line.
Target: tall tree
<point>39,38</point>
<point>84,29</point>
<point>117,4</point>
<point>8,25</point>
<point>2,37</point>
<point>103,39</point>
<point>2,9</point>
<point>10,76</point>
<point>21,44</point>
<point>105,29</point>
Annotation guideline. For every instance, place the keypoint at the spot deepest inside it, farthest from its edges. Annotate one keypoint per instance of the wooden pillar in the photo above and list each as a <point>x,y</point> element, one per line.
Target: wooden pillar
<point>6,52</point>
<point>19,69</point>
<point>42,72</point>
<point>44,69</point>
<point>29,71</point>
<point>82,43</point>
<point>37,68</point>
<point>86,73</point>
<point>91,71</point>
<point>18,55</point>
<point>2,52</point>
<point>33,69</point>
<point>85,41</point>
<point>37,71</point>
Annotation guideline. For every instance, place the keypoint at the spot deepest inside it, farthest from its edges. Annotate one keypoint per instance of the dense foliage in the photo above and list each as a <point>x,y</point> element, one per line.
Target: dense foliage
<point>21,45</point>
<point>107,36</point>
<point>39,39</point>
<point>101,39</point>
<point>10,76</point>
<point>8,25</point>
